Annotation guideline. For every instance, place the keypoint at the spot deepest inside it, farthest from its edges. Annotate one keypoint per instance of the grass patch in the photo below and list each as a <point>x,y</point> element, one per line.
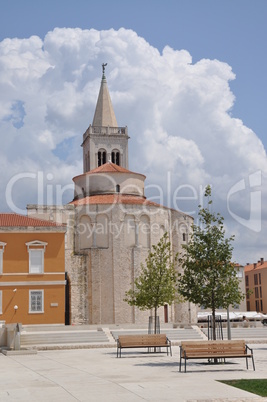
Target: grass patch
<point>258,386</point>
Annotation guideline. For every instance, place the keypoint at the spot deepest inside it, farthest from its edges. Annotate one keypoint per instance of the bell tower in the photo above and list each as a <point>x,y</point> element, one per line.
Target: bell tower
<point>104,141</point>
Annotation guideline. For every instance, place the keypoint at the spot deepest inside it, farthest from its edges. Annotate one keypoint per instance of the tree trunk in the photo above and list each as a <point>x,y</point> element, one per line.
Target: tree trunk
<point>213,317</point>
<point>155,321</point>
<point>155,324</point>
<point>214,329</point>
<point>213,324</point>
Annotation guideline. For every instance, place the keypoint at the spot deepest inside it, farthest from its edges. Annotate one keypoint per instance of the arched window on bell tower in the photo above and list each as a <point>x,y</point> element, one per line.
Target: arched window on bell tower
<point>102,157</point>
<point>115,157</point>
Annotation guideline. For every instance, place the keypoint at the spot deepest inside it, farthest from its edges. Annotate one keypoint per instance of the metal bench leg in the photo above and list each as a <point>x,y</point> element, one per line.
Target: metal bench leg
<point>180,367</point>
<point>253,362</point>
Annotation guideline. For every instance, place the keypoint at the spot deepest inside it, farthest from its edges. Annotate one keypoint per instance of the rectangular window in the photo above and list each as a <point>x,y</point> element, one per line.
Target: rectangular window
<point>261,305</point>
<point>1,261</point>
<point>256,291</point>
<point>248,306</point>
<point>36,301</point>
<point>247,281</point>
<point>260,293</point>
<point>0,301</point>
<point>257,306</point>
<point>247,293</point>
<point>259,278</point>
<point>36,261</point>
<point>2,248</point>
<point>36,250</point>
<point>255,279</point>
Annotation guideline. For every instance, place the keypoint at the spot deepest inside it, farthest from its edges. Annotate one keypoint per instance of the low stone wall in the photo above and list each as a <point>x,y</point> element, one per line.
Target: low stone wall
<point>10,336</point>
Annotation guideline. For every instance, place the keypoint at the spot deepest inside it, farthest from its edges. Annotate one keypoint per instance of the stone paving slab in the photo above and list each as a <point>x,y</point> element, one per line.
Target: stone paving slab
<point>98,375</point>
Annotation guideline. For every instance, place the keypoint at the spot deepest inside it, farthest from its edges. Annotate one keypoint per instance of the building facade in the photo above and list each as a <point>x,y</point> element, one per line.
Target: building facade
<point>112,227</point>
<point>32,270</point>
<point>256,286</point>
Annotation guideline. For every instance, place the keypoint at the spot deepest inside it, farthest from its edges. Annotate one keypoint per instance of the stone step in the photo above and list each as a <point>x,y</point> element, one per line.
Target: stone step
<point>59,327</point>
<point>52,337</point>
<point>69,336</point>
<point>173,334</point>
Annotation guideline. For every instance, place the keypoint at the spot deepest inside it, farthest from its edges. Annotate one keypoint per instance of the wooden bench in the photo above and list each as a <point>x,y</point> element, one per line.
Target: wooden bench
<point>143,341</point>
<point>214,349</point>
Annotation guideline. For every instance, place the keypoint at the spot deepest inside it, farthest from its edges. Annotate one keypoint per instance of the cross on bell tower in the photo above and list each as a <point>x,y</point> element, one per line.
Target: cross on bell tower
<point>103,69</point>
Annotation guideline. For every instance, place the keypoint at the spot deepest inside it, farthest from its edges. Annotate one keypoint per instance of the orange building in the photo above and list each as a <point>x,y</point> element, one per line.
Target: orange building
<point>32,270</point>
<point>256,286</point>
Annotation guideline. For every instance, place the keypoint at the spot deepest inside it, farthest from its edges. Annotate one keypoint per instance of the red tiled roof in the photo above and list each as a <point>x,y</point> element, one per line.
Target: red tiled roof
<point>109,167</point>
<point>115,199</point>
<point>259,265</point>
<point>15,220</point>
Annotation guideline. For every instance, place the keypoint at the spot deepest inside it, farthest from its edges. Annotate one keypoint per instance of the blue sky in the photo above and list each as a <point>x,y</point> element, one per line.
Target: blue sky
<point>187,77</point>
<point>234,31</point>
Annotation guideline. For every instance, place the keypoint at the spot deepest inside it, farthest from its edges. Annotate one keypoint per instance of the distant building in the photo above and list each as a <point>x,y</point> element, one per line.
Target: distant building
<point>237,307</point>
<point>32,270</point>
<point>256,286</point>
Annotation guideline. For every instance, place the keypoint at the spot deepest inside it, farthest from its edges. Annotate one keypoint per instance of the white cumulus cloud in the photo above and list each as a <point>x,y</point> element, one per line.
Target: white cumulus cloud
<point>178,115</point>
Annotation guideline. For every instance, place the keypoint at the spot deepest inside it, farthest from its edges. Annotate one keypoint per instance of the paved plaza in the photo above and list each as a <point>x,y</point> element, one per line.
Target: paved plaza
<point>98,375</point>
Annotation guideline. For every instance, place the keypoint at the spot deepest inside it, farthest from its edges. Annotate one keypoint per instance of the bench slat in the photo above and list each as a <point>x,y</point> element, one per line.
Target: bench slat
<point>143,341</point>
<point>214,354</point>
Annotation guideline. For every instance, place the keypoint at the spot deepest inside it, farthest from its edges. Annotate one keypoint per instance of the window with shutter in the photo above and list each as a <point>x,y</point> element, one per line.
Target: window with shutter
<point>2,247</point>
<point>36,261</point>
<point>36,301</point>
<point>36,251</point>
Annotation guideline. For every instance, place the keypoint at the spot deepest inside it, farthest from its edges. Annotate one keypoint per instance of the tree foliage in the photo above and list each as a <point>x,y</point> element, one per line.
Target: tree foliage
<point>156,284</point>
<point>209,276</point>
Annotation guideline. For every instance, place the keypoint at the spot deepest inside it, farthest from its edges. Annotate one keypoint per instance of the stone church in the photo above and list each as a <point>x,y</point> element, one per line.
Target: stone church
<point>111,227</point>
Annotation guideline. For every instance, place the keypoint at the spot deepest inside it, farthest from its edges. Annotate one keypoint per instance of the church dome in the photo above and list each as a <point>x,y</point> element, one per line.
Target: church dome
<point>109,179</point>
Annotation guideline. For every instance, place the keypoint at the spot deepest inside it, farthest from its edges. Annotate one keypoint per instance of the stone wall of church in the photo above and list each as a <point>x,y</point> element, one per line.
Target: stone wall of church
<point>117,239</point>
<point>77,271</point>
<point>105,246</point>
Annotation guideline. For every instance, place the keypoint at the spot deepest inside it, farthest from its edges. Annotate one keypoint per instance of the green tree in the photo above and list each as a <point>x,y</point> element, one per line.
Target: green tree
<point>209,276</point>
<point>156,283</point>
